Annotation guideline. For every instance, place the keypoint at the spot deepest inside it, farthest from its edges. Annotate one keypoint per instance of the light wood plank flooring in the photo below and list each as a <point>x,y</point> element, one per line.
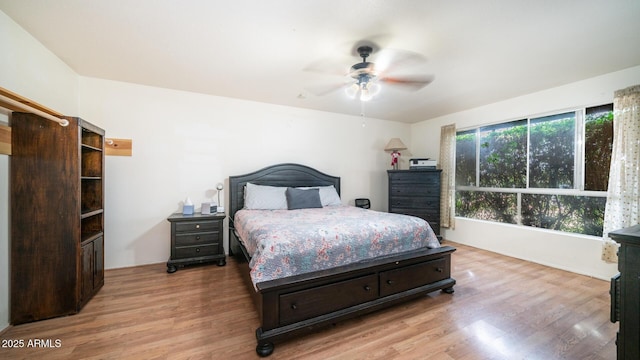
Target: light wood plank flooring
<point>502,308</point>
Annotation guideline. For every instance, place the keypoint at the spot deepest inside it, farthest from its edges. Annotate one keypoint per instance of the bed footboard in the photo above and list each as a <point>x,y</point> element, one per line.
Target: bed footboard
<point>303,303</point>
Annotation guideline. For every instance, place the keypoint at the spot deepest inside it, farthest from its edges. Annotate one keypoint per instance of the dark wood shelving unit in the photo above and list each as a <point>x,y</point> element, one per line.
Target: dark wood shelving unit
<point>57,216</point>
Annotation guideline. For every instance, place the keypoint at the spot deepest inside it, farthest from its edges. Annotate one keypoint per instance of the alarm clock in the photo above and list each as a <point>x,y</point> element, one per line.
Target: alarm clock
<point>363,203</point>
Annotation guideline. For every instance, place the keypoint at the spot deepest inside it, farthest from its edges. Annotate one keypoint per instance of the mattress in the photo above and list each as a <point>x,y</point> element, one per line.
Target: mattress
<point>285,243</point>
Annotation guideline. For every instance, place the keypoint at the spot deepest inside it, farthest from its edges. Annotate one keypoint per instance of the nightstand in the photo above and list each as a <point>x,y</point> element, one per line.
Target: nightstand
<point>196,239</point>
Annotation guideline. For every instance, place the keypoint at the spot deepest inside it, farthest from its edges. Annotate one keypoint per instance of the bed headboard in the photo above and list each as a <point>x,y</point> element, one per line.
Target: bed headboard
<point>293,175</point>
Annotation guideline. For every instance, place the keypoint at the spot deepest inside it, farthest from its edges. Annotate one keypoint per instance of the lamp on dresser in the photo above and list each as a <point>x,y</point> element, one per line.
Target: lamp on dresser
<point>395,145</point>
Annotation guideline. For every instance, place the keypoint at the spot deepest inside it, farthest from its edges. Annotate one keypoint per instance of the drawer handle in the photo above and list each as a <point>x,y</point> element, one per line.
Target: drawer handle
<point>294,306</point>
<point>198,237</point>
<point>367,288</point>
<point>197,226</point>
<point>197,249</point>
<point>439,269</point>
<point>390,282</point>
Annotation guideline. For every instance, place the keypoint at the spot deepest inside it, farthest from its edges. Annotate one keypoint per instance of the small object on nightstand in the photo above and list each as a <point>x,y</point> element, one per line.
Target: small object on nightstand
<point>196,239</point>
<point>220,207</point>
<point>205,209</point>
<point>363,203</point>
<point>187,208</point>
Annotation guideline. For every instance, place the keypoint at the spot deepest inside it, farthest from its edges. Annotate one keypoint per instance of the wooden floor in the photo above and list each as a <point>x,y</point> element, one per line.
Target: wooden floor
<point>502,308</point>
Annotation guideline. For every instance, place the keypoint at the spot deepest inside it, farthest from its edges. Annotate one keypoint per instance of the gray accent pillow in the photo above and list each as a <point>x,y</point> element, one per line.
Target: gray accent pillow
<point>303,199</point>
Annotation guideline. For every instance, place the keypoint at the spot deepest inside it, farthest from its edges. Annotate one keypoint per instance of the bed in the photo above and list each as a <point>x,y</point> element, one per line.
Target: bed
<point>297,303</point>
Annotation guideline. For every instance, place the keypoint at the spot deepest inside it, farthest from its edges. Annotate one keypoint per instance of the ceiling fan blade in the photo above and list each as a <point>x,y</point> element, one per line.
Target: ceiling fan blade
<point>321,90</point>
<point>413,83</point>
<point>392,60</point>
<point>328,66</point>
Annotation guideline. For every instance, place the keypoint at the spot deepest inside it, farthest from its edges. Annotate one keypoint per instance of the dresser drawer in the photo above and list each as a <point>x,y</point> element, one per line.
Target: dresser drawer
<point>196,251</point>
<point>413,177</point>
<point>416,202</point>
<point>309,303</point>
<point>412,276</point>
<point>197,238</point>
<point>204,225</point>
<point>414,190</point>
<point>421,213</point>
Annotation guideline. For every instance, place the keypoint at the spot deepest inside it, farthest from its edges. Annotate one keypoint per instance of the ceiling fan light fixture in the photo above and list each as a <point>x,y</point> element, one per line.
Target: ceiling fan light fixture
<point>352,91</point>
<point>373,88</point>
<point>368,90</point>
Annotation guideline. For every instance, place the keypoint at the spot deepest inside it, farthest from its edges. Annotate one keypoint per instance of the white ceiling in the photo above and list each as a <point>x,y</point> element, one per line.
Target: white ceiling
<point>479,51</point>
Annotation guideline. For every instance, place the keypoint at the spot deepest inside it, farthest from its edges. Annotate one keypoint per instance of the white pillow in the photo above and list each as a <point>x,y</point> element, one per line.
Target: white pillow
<point>328,195</point>
<point>261,197</point>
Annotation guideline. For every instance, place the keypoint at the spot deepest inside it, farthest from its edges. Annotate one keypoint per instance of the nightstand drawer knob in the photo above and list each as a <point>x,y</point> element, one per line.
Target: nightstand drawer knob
<point>197,249</point>
<point>197,226</point>
<point>367,288</point>
<point>390,282</point>
<point>294,306</point>
<point>198,237</point>
<point>439,269</point>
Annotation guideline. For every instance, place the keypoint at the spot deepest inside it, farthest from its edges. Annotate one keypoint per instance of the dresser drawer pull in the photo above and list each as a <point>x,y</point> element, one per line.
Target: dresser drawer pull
<point>197,226</point>
<point>439,269</point>
<point>294,306</point>
<point>367,288</point>
<point>198,237</point>
<point>390,282</point>
<point>197,249</point>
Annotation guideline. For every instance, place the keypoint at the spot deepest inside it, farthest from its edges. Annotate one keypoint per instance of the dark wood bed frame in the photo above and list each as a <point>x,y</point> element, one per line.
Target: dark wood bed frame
<point>302,303</point>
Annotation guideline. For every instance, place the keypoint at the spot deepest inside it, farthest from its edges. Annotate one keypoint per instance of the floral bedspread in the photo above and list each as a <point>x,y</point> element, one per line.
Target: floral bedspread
<point>290,242</point>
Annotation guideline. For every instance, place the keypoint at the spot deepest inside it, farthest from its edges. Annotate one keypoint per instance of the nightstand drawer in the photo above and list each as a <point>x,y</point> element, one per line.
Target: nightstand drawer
<point>196,251</point>
<point>191,226</point>
<point>197,238</point>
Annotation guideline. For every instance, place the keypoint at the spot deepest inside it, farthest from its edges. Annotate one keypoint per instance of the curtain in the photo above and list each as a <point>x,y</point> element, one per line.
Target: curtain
<point>448,165</point>
<point>623,194</point>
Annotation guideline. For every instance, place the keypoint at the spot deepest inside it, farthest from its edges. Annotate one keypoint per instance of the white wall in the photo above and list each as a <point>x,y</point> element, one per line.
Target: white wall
<point>576,253</point>
<point>185,143</point>
<point>31,70</point>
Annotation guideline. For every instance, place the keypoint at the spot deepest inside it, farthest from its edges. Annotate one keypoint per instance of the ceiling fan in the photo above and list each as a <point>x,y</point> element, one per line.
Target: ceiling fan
<point>365,78</point>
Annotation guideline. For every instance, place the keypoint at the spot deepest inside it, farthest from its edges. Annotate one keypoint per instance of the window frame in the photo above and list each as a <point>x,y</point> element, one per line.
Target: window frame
<point>579,163</point>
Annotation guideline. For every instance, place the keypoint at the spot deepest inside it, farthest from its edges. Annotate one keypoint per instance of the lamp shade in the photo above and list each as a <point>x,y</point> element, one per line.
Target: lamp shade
<point>395,144</point>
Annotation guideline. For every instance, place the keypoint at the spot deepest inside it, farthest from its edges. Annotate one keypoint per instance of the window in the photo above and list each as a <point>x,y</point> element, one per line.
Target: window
<point>549,172</point>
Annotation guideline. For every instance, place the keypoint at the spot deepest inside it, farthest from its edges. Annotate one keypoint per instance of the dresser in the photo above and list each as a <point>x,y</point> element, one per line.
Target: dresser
<point>625,293</point>
<point>417,193</point>
<point>195,239</point>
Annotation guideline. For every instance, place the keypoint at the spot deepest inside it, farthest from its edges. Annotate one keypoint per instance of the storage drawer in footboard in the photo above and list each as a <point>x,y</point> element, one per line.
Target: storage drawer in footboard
<point>413,276</point>
<point>305,304</point>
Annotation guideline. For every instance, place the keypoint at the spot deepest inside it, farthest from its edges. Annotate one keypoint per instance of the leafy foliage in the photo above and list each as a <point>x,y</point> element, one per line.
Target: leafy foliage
<point>598,148</point>
<point>503,155</point>
<point>551,154</point>
<point>466,158</point>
